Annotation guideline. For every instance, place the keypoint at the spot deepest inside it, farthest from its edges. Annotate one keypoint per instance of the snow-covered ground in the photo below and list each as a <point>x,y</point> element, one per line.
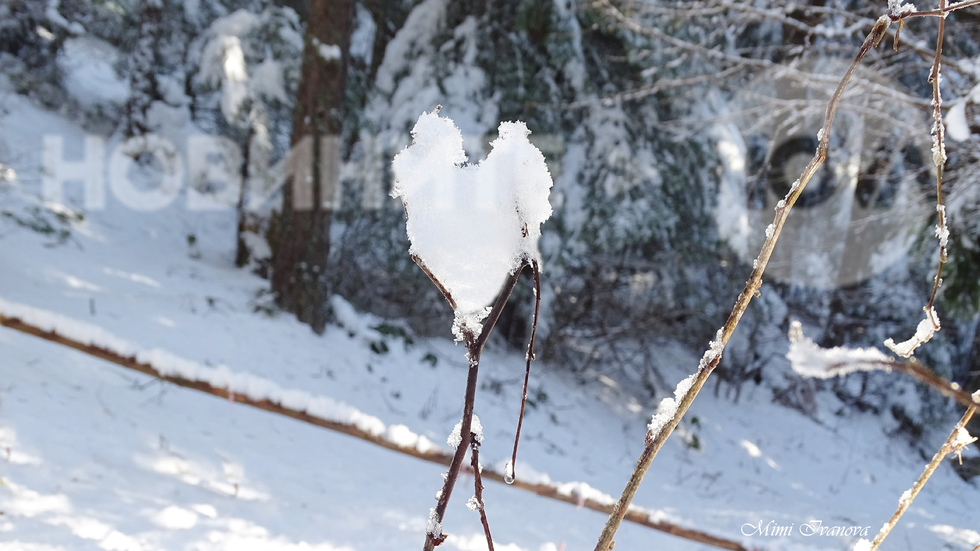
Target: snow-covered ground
<point>93,456</point>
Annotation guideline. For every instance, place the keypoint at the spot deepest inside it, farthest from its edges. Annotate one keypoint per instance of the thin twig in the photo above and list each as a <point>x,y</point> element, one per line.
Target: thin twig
<point>653,442</point>
<point>511,473</point>
<point>915,369</point>
<point>478,489</point>
<point>938,155</point>
<point>442,288</point>
<point>906,500</point>
<point>637,515</point>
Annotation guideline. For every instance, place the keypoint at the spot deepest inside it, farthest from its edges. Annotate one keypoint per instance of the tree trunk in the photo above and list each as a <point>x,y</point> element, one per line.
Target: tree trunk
<point>301,236</point>
<point>144,61</point>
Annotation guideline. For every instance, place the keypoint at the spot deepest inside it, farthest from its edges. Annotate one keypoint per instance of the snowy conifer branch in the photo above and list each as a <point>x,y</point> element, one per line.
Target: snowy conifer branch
<point>952,444</point>
<point>655,438</point>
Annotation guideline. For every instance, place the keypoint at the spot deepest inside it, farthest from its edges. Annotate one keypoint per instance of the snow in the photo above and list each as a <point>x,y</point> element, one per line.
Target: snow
<point>329,52</point>
<point>455,437</point>
<point>923,333</point>
<point>897,8</point>
<point>246,384</point>
<point>962,438</point>
<point>91,450</point>
<point>942,228</point>
<point>472,225</point>
<point>434,527</point>
<point>234,88</point>
<point>810,360</point>
<point>668,406</point>
<point>89,75</point>
<point>713,353</point>
<point>957,127</point>
<point>267,80</point>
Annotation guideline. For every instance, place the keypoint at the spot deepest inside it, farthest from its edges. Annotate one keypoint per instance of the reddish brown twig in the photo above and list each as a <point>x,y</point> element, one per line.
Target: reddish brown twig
<point>478,488</point>
<point>510,472</point>
<point>474,348</point>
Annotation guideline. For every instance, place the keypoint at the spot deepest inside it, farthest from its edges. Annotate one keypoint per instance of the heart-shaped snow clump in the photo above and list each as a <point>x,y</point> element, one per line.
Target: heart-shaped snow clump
<point>472,226</point>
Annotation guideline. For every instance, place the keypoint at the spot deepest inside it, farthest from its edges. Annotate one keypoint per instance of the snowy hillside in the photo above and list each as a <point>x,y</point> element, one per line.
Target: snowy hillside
<point>93,456</point>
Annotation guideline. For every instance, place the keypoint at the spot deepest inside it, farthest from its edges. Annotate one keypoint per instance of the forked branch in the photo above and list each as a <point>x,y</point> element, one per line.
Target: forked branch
<point>474,348</point>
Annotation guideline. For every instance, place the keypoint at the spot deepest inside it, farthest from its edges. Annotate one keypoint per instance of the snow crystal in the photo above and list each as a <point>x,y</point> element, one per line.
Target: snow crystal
<point>474,504</point>
<point>668,406</point>
<point>434,527</point>
<point>862,545</point>
<point>770,230</point>
<point>475,428</point>
<point>926,328</point>
<point>962,438</point>
<point>905,499</point>
<point>810,360</point>
<point>715,348</point>
<point>942,229</point>
<point>938,149</point>
<point>897,9</point>
<point>472,225</point>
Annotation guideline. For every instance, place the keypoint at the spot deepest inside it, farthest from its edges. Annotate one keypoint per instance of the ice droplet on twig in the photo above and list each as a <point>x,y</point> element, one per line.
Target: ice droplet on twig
<point>509,472</point>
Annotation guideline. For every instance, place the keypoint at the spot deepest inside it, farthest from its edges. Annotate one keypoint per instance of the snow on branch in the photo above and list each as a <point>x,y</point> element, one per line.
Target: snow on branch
<point>471,225</point>
<point>923,332</point>
<point>810,360</point>
<point>235,385</point>
<point>668,406</point>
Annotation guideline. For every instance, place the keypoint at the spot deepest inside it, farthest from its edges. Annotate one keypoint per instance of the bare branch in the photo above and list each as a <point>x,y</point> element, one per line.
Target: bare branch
<point>654,442</point>
<point>909,496</point>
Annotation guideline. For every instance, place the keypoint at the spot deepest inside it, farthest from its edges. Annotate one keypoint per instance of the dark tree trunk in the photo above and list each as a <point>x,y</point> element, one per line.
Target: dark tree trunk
<point>301,236</point>
<point>144,61</point>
